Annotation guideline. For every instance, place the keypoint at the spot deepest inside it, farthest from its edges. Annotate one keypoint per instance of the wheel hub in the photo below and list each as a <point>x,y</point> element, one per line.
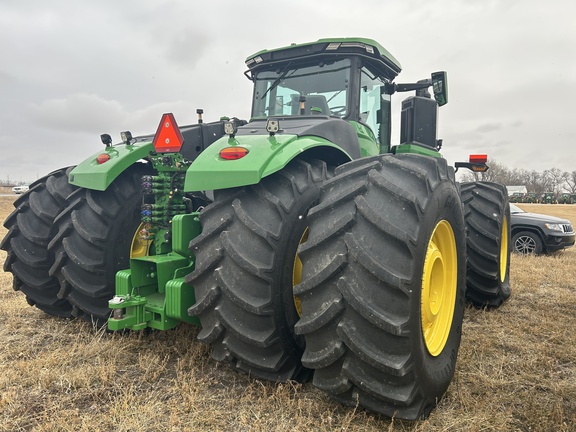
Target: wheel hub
<point>436,277</point>
<point>439,284</point>
<point>140,245</point>
<point>525,245</point>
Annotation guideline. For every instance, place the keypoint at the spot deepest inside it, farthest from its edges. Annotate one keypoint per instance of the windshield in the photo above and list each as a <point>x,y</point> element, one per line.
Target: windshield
<point>324,88</point>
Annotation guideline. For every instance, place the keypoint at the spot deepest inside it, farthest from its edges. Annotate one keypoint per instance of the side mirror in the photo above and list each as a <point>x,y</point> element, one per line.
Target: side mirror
<point>440,87</point>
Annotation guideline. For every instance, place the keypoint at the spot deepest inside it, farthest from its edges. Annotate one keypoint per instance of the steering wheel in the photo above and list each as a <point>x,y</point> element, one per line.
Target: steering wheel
<point>338,110</point>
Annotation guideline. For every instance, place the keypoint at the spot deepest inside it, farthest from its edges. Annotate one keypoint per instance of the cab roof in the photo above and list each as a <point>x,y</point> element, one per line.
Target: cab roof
<point>384,62</point>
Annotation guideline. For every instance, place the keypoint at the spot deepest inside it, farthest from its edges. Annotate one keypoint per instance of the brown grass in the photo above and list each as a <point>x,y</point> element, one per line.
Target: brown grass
<point>516,370</point>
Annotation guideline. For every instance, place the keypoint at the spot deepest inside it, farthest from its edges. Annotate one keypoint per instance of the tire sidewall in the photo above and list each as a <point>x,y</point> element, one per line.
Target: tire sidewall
<point>290,312</point>
<point>127,226</point>
<point>434,373</point>
<point>117,209</point>
<point>250,238</point>
<point>288,244</point>
<point>123,227</point>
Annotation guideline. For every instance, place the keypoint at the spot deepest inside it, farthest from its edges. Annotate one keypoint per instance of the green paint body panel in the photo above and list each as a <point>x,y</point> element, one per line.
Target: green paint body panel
<point>267,155</point>
<point>185,227</point>
<point>90,174</point>
<point>417,149</point>
<point>153,291</point>
<point>369,145</point>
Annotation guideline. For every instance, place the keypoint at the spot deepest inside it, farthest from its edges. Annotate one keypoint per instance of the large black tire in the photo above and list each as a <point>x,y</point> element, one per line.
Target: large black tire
<point>30,229</point>
<point>93,241</point>
<point>244,268</point>
<point>487,217</point>
<point>383,284</point>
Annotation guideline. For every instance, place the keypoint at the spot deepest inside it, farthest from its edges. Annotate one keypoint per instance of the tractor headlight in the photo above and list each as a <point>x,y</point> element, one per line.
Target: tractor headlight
<point>230,128</point>
<point>272,126</point>
<point>126,137</point>
<point>554,227</point>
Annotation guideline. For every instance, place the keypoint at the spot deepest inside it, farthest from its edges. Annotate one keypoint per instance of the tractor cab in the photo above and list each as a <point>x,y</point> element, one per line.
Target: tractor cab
<point>344,79</point>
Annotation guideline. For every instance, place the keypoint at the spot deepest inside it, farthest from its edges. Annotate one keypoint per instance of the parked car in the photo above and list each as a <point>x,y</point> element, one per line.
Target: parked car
<point>19,189</point>
<point>534,233</point>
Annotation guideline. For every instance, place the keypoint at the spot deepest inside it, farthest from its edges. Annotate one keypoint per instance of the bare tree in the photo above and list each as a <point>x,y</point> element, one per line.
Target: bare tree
<point>570,185</point>
<point>536,182</point>
<point>554,179</point>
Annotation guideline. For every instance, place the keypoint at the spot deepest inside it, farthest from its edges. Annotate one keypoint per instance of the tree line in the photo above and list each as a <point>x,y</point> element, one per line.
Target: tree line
<point>551,180</point>
<point>8,183</point>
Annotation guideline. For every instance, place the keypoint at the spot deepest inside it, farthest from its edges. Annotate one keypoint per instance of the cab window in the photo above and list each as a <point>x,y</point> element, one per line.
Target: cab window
<point>323,88</point>
<point>375,106</point>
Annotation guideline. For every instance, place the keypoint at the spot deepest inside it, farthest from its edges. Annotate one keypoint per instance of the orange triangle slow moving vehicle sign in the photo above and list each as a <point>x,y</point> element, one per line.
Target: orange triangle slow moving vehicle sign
<point>168,138</point>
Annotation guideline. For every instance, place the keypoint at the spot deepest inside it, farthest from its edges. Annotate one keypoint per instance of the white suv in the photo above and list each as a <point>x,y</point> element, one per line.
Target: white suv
<point>19,189</point>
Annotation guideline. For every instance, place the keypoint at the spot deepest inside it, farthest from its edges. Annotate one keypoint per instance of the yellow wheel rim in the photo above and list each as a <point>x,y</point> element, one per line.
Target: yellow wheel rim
<point>439,284</point>
<point>504,249</point>
<point>140,246</point>
<point>297,273</point>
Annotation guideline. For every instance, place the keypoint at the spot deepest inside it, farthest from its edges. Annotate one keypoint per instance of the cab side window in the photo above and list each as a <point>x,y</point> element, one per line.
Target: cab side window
<point>375,106</point>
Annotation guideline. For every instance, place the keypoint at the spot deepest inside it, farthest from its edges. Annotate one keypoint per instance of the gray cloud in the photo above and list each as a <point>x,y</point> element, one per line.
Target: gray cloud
<point>78,112</point>
<point>488,127</point>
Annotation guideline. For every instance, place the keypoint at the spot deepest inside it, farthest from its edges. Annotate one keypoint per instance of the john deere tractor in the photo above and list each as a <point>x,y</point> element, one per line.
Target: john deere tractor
<point>548,198</point>
<point>303,242</point>
<point>567,198</point>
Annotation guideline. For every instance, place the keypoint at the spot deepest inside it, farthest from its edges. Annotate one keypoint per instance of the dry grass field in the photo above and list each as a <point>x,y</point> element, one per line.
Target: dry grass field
<point>516,370</point>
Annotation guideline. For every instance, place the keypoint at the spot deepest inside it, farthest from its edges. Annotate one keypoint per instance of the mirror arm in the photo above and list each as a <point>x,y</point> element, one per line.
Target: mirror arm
<point>424,84</point>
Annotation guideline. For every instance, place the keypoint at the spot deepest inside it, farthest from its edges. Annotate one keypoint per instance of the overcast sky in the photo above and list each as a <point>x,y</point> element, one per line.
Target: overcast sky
<point>71,70</point>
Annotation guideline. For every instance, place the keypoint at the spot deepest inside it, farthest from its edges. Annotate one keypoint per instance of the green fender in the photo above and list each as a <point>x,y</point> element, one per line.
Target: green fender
<point>266,155</point>
<point>92,175</point>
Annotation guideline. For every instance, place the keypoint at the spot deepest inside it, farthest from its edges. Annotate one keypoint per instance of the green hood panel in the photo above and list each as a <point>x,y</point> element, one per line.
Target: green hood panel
<point>92,175</point>
<point>267,155</point>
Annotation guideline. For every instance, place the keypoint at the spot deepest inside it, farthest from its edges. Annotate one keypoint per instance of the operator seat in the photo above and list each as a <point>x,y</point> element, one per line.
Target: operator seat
<point>312,101</point>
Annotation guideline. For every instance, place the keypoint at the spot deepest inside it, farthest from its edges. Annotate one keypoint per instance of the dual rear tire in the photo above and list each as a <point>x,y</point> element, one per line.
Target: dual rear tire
<point>93,238</point>
<point>30,230</point>
<point>383,284</point>
<point>245,269</point>
<point>65,244</point>
<point>488,244</point>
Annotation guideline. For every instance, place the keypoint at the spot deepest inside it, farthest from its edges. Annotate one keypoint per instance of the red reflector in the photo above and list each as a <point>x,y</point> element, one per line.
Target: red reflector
<point>168,138</point>
<point>478,159</point>
<point>233,153</point>
<point>104,157</point>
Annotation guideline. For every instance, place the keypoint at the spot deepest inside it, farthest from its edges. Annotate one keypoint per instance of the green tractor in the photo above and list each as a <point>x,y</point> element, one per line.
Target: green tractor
<point>531,198</point>
<point>567,198</point>
<point>516,197</point>
<point>548,198</point>
<point>302,242</point>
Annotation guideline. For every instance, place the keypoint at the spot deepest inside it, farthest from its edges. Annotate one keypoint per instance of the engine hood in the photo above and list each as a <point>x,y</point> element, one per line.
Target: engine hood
<point>531,217</point>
